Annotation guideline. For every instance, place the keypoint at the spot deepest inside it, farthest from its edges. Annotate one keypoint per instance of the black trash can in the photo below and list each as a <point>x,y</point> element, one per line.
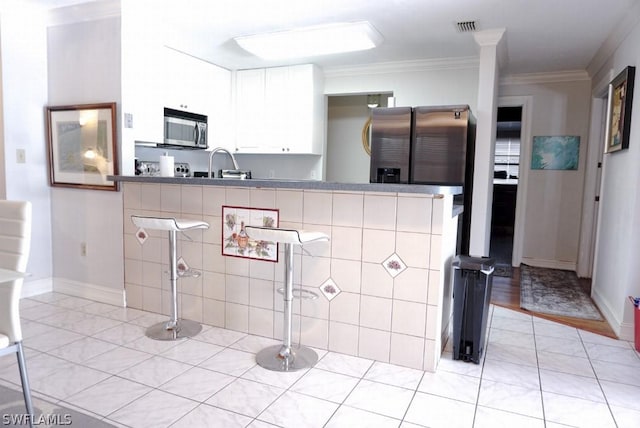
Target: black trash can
<point>472,280</point>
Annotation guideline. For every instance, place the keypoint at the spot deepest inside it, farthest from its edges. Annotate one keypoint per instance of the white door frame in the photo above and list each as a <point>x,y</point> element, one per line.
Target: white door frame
<point>526,102</point>
<point>592,180</point>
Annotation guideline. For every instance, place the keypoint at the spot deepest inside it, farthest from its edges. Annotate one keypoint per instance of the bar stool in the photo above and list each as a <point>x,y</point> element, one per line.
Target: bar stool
<point>284,358</point>
<point>174,328</point>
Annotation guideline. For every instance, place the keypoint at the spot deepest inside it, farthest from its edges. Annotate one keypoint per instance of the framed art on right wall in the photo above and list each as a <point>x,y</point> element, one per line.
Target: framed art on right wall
<point>619,110</point>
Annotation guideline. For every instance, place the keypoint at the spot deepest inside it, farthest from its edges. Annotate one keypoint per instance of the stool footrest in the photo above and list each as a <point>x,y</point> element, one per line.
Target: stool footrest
<point>189,273</point>
<point>300,293</point>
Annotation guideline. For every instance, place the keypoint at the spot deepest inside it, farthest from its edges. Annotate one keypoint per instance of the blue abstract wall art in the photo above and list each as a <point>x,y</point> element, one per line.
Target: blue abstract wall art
<point>555,152</point>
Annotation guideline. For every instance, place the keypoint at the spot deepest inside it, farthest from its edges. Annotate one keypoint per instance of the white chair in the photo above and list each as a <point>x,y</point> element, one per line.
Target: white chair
<point>15,242</point>
<point>284,358</point>
<point>175,328</point>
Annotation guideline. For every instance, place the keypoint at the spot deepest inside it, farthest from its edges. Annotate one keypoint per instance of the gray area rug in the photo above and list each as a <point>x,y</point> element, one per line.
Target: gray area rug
<point>503,269</point>
<point>47,414</point>
<point>555,292</point>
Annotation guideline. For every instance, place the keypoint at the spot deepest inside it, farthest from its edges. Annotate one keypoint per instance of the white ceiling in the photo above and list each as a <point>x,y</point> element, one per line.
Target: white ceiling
<point>541,35</point>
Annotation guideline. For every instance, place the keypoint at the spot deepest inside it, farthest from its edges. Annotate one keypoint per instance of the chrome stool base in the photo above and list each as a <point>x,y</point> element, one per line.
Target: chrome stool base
<point>175,328</point>
<point>285,357</point>
<point>298,358</point>
<point>166,331</point>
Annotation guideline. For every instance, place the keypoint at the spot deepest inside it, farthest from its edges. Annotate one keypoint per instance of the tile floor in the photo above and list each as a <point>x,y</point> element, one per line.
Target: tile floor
<point>95,358</point>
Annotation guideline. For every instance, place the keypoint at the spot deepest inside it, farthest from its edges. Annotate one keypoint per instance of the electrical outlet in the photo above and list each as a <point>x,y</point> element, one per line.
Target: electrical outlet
<point>83,249</point>
<point>21,156</point>
<point>128,120</point>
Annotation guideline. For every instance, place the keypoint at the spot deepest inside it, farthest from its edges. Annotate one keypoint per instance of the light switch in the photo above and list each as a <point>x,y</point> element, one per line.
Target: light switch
<point>128,120</point>
<point>21,156</point>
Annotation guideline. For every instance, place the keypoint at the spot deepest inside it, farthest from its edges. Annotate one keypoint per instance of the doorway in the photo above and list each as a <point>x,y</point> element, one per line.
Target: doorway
<point>347,160</point>
<point>505,187</point>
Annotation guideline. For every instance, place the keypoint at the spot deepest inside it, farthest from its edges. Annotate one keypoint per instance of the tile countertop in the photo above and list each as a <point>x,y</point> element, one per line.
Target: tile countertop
<point>277,183</point>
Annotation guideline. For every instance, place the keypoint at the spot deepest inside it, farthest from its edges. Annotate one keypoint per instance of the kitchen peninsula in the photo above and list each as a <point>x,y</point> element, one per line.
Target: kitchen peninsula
<point>383,280</point>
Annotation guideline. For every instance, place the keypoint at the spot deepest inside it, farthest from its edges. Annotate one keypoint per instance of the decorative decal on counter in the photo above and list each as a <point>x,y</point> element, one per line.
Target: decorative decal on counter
<point>141,236</point>
<point>329,289</point>
<point>235,241</point>
<point>394,265</point>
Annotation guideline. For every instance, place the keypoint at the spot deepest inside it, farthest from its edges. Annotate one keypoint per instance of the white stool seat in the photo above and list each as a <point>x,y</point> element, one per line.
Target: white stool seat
<point>168,223</point>
<point>285,236</point>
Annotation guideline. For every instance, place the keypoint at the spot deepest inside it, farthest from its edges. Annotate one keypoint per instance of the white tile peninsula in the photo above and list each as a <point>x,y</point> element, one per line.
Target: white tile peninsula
<point>392,312</point>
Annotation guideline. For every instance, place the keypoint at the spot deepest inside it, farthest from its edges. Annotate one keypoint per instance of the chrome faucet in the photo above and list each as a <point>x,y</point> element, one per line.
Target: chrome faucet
<point>221,149</point>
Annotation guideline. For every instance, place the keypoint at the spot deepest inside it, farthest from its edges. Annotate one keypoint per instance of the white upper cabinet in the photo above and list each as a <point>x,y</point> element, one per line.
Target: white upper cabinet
<point>186,82</point>
<point>250,110</point>
<point>280,110</point>
<point>197,86</point>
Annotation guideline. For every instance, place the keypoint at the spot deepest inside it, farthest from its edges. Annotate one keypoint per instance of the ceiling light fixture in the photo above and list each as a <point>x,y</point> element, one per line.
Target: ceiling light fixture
<point>373,100</point>
<point>312,41</point>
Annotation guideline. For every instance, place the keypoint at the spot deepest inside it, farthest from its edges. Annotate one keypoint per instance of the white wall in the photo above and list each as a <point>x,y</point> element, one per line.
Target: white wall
<point>412,83</point>
<point>24,92</point>
<point>554,198</point>
<point>616,275</point>
<point>84,67</point>
<point>347,161</point>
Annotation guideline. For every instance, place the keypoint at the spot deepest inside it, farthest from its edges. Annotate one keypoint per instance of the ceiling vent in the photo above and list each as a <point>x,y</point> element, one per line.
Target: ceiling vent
<point>466,26</point>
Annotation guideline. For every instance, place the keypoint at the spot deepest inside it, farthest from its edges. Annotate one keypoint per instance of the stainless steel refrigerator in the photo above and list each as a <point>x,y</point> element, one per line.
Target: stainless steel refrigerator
<point>426,145</point>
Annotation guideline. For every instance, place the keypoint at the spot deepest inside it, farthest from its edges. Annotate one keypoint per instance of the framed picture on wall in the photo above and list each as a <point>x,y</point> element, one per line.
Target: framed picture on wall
<point>82,143</point>
<point>555,152</point>
<point>619,111</point>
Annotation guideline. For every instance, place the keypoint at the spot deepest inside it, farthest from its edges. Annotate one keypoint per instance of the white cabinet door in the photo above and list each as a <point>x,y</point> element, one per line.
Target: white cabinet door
<point>181,75</point>
<point>305,113</point>
<point>250,106</point>
<point>276,109</point>
<point>279,110</point>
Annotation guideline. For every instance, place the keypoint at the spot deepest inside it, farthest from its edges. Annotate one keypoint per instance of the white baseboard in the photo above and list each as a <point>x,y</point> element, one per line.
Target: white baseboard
<point>619,328</point>
<point>39,286</point>
<point>551,264</point>
<point>627,332</point>
<point>99,293</point>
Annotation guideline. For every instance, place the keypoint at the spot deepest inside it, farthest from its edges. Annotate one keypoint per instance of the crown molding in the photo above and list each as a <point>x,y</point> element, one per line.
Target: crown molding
<point>533,78</point>
<point>403,66</point>
<point>84,12</point>
<point>489,37</point>
<point>495,37</point>
<point>617,36</point>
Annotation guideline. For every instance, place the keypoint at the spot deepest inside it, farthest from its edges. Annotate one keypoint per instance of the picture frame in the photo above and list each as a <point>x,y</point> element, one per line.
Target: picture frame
<point>235,241</point>
<point>619,111</point>
<point>555,152</point>
<point>82,146</point>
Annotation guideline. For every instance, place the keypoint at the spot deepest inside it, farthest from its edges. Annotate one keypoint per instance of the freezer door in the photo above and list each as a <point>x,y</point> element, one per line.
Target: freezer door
<point>390,145</point>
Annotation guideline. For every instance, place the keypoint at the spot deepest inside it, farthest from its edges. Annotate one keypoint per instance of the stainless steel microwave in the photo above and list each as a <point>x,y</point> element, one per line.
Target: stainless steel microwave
<point>184,129</point>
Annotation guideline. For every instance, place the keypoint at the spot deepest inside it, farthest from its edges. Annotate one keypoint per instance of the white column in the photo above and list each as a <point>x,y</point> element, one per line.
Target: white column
<point>489,41</point>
